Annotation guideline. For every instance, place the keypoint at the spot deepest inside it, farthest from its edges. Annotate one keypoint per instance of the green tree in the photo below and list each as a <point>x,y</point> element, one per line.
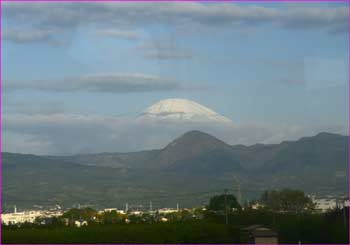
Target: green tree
<point>111,217</point>
<point>84,213</point>
<point>287,200</point>
<point>217,203</point>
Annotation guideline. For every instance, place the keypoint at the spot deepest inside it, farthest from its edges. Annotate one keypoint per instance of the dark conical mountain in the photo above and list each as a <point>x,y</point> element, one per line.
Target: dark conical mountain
<point>197,151</point>
<point>199,142</point>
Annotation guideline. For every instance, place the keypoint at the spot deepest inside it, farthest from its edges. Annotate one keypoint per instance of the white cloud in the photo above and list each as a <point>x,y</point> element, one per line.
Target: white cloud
<point>164,50</point>
<point>122,15</point>
<point>24,143</point>
<point>101,82</point>
<point>333,20</point>
<point>25,107</point>
<point>25,35</point>
<point>115,33</point>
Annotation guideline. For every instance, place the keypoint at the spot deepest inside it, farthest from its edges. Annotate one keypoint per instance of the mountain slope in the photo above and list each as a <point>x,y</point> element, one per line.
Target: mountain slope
<point>114,160</point>
<point>194,151</point>
<point>325,150</point>
<point>30,179</point>
<point>199,152</point>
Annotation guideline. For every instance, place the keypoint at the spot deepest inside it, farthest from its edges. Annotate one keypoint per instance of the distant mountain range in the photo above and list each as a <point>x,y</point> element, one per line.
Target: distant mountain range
<point>188,170</point>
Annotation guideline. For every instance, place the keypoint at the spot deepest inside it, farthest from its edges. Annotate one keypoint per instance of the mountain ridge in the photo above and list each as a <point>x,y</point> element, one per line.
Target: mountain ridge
<point>248,153</point>
<point>196,143</point>
<point>195,161</point>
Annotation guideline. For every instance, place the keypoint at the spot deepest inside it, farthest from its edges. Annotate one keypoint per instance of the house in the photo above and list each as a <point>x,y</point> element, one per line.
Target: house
<point>136,212</point>
<point>256,206</point>
<point>80,223</point>
<point>163,219</point>
<point>258,234</point>
<point>328,203</point>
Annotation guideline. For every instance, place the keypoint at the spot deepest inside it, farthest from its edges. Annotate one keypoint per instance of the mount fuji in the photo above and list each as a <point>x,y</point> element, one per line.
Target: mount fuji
<point>181,110</point>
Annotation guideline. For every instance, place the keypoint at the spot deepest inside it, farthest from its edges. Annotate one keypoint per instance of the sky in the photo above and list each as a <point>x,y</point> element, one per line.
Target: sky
<point>75,75</point>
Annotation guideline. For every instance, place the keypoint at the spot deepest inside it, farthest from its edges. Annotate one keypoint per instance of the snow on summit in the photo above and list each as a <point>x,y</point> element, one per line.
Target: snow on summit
<point>182,110</point>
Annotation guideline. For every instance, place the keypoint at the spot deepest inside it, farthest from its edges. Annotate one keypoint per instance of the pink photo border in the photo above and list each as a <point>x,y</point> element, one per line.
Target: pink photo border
<point>256,1</point>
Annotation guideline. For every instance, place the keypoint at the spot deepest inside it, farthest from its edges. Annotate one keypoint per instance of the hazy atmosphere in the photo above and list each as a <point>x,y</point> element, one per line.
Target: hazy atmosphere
<point>77,77</point>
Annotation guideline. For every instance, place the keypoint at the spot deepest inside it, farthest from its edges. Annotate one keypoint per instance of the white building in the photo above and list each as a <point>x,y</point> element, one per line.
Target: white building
<point>167,210</point>
<point>325,204</point>
<point>119,211</point>
<point>27,216</point>
<point>163,219</point>
<point>136,212</point>
<point>81,223</point>
<point>256,206</point>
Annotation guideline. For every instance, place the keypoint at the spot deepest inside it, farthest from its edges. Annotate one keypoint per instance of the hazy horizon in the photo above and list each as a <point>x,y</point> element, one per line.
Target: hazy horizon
<point>162,147</point>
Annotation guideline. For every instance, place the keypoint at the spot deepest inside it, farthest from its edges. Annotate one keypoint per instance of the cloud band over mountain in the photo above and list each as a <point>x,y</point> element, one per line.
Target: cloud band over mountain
<point>102,82</point>
<point>49,134</point>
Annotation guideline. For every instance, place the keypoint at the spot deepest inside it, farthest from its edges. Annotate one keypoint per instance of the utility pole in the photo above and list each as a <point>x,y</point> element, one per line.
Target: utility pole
<point>226,210</point>
<point>344,218</point>
<point>238,190</point>
<point>150,206</point>
<point>239,194</point>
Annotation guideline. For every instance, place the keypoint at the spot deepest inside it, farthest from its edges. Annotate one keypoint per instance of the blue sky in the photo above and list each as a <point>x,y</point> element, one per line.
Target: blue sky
<point>274,66</point>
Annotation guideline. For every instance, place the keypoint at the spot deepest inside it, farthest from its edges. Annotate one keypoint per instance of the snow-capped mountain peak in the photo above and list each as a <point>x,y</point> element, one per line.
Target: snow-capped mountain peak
<point>176,109</point>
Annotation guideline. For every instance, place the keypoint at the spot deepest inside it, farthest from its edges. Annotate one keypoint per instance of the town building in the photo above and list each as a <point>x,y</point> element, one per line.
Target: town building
<point>119,211</point>
<point>329,203</point>
<point>80,223</point>
<point>27,216</point>
<point>167,210</point>
<point>258,234</point>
